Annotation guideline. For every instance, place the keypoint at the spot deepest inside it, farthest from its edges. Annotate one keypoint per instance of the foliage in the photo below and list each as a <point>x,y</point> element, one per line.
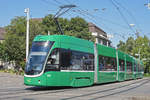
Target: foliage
<point>13,48</point>
<point>138,47</point>
<point>3,57</point>
<point>12,71</point>
<point>77,27</point>
<point>146,75</point>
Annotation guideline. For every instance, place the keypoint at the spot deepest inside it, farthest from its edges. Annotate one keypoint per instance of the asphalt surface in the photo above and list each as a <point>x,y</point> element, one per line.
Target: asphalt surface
<point>12,88</point>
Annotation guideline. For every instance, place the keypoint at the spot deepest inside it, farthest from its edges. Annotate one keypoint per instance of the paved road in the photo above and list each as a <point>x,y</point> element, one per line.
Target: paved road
<point>12,88</point>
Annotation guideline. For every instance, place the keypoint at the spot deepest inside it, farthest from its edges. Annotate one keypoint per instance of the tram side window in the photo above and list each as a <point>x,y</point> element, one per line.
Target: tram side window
<point>142,68</point>
<point>107,63</point>
<point>122,65</point>
<point>82,61</point>
<point>129,67</point>
<point>134,67</point>
<point>138,67</point>
<point>75,60</point>
<point>53,61</point>
<point>65,58</point>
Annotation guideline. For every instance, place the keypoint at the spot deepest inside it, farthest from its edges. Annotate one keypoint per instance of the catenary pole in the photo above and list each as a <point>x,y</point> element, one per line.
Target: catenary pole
<point>27,32</point>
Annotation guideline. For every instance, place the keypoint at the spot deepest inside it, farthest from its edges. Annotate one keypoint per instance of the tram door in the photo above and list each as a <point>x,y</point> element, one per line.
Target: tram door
<point>52,67</point>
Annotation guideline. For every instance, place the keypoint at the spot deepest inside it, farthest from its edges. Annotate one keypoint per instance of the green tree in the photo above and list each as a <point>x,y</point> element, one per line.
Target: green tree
<point>138,47</point>
<point>14,41</point>
<point>2,57</point>
<point>142,46</point>
<point>121,46</point>
<point>13,48</point>
<point>14,44</point>
<point>77,27</point>
<point>128,46</point>
<point>49,25</point>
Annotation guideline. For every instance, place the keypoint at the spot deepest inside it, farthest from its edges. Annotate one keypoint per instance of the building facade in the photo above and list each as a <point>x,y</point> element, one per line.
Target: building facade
<point>99,34</point>
<point>2,32</point>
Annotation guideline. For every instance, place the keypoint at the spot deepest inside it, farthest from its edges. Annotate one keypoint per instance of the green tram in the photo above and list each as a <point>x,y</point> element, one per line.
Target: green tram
<point>60,60</point>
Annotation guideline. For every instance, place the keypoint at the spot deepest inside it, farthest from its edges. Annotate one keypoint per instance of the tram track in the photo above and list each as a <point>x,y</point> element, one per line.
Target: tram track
<point>14,93</point>
<point>112,91</point>
<point>25,92</point>
<point>121,91</point>
<point>10,91</point>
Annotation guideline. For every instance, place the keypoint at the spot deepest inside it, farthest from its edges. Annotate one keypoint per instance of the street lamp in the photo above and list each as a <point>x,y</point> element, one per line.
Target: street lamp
<point>147,4</point>
<point>137,32</point>
<point>139,52</point>
<point>27,32</point>
<point>132,25</point>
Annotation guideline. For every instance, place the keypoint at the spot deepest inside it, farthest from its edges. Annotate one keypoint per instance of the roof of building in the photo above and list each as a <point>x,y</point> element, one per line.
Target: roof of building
<point>94,30</point>
<point>2,32</point>
<point>37,19</point>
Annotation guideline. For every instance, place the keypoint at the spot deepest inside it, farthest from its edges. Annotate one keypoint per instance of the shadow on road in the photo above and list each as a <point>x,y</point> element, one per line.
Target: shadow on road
<point>46,88</point>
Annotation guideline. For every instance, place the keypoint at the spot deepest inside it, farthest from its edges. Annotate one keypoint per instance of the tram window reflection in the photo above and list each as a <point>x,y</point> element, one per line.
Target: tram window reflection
<point>107,63</point>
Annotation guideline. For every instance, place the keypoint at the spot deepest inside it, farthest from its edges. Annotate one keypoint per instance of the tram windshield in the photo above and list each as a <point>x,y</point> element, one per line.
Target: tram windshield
<point>37,56</point>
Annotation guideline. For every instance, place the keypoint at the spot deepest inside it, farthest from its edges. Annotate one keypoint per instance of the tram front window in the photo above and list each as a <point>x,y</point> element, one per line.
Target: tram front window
<point>37,56</point>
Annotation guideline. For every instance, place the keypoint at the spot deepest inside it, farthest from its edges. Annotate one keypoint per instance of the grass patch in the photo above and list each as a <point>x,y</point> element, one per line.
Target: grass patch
<point>12,71</point>
<point>146,74</point>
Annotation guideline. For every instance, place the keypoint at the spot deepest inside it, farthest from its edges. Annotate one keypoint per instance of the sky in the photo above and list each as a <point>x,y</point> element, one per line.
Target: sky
<point>113,16</point>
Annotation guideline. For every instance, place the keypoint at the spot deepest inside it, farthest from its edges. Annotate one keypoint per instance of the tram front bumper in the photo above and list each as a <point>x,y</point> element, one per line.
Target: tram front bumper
<point>34,81</point>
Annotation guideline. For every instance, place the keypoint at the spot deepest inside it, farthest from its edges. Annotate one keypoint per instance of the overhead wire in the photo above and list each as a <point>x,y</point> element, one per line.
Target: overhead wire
<point>89,16</point>
<point>83,12</point>
<point>139,29</point>
<point>130,13</point>
<point>92,18</point>
<point>123,17</point>
<point>58,2</point>
<point>96,21</point>
<point>87,13</point>
<point>68,1</point>
<point>109,21</point>
<point>103,19</point>
<point>49,2</point>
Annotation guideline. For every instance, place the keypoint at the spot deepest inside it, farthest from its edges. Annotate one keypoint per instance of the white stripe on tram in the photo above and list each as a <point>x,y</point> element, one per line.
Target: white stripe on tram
<point>74,71</point>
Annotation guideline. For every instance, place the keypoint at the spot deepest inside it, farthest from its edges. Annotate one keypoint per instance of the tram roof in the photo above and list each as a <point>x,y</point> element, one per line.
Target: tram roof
<point>64,38</point>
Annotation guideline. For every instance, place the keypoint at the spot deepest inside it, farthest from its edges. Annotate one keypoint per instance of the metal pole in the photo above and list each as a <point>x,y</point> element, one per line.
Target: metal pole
<point>139,52</point>
<point>118,66</point>
<point>95,64</point>
<point>125,65</point>
<point>59,27</point>
<point>27,33</point>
